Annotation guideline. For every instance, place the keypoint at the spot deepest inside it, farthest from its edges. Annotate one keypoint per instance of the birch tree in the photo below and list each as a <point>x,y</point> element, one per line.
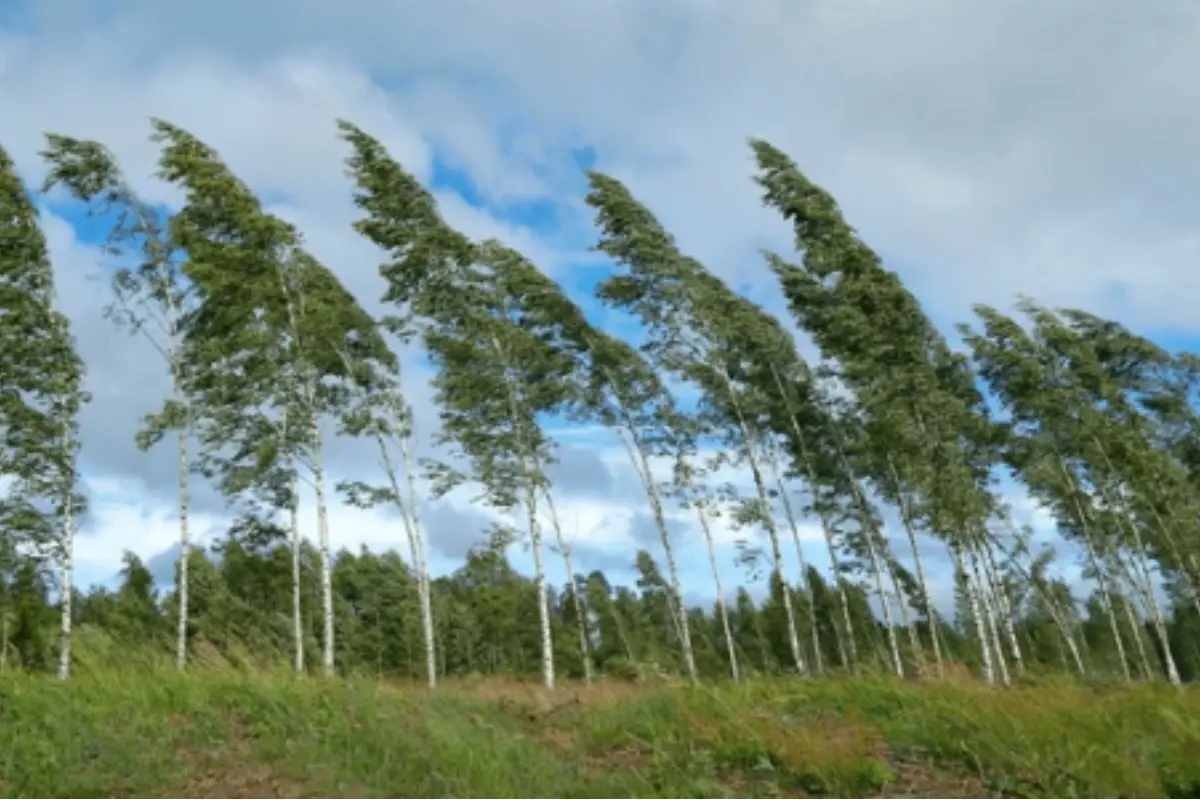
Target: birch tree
<point>41,377</point>
<point>496,372</point>
<point>917,395</point>
<point>149,300</point>
<point>684,318</point>
<point>614,385</point>
<point>382,413</point>
<point>267,342</point>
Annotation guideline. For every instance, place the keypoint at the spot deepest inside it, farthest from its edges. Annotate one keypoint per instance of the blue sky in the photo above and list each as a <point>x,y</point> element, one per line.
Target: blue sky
<point>984,149</point>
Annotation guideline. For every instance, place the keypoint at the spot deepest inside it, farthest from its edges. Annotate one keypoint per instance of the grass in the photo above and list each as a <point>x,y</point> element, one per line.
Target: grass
<point>231,734</point>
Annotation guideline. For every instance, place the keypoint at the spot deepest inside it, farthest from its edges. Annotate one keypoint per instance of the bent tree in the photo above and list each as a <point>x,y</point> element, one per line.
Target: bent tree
<point>688,322</point>
<point>496,370</point>
<point>266,346</point>
<point>149,300</point>
<point>41,377</point>
<point>931,444</point>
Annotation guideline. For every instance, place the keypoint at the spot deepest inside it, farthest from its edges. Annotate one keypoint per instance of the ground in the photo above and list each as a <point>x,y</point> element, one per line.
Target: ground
<point>220,733</point>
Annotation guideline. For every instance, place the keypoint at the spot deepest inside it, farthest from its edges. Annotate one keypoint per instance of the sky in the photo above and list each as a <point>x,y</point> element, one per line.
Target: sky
<point>985,149</point>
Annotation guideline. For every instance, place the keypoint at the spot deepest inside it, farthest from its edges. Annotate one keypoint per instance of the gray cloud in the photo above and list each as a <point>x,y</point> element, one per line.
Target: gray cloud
<point>162,566</point>
<point>454,529</point>
<point>580,472</point>
<point>616,565</point>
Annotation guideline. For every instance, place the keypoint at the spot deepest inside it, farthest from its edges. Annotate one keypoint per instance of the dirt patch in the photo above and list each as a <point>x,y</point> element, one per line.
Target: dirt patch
<point>232,770</point>
<point>918,779</point>
<point>531,693</point>
<point>233,777</point>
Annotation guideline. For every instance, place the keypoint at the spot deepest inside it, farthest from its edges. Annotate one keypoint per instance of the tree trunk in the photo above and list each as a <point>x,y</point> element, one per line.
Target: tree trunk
<point>297,617</point>
<point>535,531</point>
<point>886,605</point>
<point>906,618</point>
<point>185,542</point>
<point>906,518</point>
<point>826,530</point>
<point>539,576</point>
<point>318,473</point>
<point>869,533</point>
<point>420,556</point>
<point>410,513</point>
<point>987,600</point>
<point>580,621</point>
<point>818,659</point>
<point>1146,585</point>
<point>776,552</point>
<point>637,454</point>
<point>1109,605</point>
<point>68,556</point>
<point>1135,630</point>
<point>722,606</point>
<point>1003,608</point>
<point>989,670</point>
<point>1090,543</point>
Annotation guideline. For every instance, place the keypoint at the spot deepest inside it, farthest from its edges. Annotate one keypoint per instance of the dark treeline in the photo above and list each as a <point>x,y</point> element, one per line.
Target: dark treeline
<point>267,354</point>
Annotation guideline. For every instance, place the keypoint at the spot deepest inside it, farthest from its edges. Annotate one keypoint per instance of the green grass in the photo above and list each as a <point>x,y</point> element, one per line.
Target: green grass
<point>228,734</point>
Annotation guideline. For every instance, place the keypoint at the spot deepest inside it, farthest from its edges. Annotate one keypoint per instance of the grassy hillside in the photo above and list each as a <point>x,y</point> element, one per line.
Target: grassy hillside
<point>230,734</point>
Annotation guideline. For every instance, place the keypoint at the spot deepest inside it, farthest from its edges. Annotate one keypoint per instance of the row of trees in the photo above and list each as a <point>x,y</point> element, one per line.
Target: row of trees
<point>241,615</point>
<point>268,353</point>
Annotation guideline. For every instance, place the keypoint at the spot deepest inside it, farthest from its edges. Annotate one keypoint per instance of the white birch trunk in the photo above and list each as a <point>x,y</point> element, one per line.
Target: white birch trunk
<point>637,454</point>
<point>539,575</point>
<point>535,531</point>
<point>580,622</point>
<point>1094,561</point>
<point>1109,606</point>
<point>1143,574</point>
<point>989,669</point>
<point>750,449</point>
<point>297,616</point>
<point>906,617</point>
<point>1003,608</point>
<point>869,533</point>
<point>818,658</point>
<point>885,603</point>
<point>67,581</point>
<point>776,551</point>
<point>722,606</point>
<point>318,472</point>
<point>1156,615</point>
<point>848,649</point>
<point>420,558</point>
<point>986,599</point>
<point>185,542</point>
<point>906,518</point>
<point>1139,642</point>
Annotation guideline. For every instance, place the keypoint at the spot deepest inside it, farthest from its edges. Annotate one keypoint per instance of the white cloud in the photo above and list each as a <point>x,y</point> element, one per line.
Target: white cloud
<point>987,149</point>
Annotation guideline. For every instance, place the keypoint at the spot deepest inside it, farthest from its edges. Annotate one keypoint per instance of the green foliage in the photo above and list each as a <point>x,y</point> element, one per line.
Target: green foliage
<point>41,376</point>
